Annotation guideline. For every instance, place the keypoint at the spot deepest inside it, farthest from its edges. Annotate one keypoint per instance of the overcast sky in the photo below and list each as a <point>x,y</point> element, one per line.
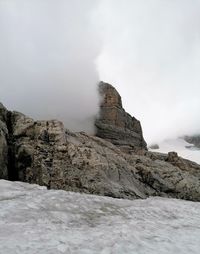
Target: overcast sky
<point>53,53</point>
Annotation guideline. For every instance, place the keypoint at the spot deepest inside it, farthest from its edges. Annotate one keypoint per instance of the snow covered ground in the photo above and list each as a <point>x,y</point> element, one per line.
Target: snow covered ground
<point>183,148</point>
<point>34,220</point>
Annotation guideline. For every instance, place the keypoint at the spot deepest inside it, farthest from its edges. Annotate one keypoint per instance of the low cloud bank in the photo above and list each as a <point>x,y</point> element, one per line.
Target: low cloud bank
<point>47,65</point>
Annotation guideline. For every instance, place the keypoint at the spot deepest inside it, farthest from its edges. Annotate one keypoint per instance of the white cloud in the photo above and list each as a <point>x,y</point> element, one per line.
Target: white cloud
<point>151,53</point>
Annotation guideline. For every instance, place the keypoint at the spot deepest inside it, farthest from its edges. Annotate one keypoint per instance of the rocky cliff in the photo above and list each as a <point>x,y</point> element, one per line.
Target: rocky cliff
<point>114,124</point>
<point>44,152</point>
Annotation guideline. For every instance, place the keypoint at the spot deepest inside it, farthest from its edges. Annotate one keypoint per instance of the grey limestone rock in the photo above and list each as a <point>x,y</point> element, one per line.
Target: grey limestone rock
<point>47,154</point>
<point>116,125</point>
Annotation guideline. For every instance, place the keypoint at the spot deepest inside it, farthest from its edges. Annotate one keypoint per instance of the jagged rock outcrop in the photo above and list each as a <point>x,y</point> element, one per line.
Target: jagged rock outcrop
<point>44,152</point>
<point>114,124</point>
<point>195,140</point>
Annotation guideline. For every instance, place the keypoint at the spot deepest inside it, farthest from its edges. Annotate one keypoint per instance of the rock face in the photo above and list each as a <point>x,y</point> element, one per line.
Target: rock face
<point>3,143</point>
<point>114,124</point>
<point>43,152</point>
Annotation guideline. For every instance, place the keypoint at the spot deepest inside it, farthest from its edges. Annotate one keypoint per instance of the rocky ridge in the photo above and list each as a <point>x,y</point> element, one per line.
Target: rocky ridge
<point>44,152</point>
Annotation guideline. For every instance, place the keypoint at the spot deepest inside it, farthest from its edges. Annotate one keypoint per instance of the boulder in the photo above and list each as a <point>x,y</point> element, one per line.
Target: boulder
<point>195,140</point>
<point>154,146</point>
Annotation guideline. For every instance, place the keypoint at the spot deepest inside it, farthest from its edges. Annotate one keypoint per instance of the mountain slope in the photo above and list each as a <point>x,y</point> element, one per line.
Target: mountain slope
<point>45,153</point>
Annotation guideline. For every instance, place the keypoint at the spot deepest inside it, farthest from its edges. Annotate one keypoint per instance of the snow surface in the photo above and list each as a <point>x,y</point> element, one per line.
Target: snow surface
<point>180,146</point>
<point>34,220</point>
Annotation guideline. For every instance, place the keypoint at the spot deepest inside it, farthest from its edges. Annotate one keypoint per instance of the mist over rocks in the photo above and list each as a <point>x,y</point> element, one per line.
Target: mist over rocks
<point>54,53</point>
<point>45,153</point>
<point>47,67</point>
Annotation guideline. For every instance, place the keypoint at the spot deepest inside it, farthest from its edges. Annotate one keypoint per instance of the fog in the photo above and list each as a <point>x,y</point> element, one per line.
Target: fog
<point>151,53</point>
<point>47,60</point>
<point>53,53</point>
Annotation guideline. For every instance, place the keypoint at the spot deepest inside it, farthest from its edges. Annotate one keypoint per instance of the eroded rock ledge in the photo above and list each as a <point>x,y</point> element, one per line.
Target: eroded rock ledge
<point>44,152</point>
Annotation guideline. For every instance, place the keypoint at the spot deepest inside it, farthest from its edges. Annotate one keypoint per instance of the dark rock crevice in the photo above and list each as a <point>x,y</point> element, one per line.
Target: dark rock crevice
<point>13,173</point>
